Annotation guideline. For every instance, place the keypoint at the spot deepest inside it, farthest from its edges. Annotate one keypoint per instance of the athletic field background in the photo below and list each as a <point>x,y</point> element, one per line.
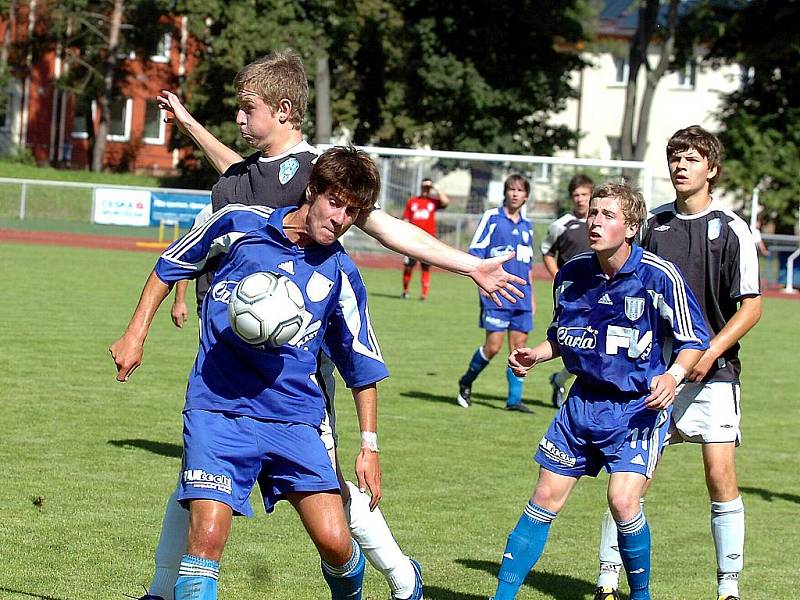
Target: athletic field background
<point>88,463</point>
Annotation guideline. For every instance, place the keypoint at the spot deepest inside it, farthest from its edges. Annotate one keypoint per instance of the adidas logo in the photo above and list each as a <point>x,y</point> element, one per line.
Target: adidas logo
<point>605,299</point>
<point>287,266</point>
<point>637,571</point>
<point>508,555</point>
<point>637,460</point>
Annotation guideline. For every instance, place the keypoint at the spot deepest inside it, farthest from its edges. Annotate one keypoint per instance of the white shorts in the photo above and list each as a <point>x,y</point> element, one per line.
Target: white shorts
<point>706,413</point>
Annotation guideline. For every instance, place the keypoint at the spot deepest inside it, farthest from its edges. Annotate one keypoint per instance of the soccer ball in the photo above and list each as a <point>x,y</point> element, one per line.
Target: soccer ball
<point>266,308</point>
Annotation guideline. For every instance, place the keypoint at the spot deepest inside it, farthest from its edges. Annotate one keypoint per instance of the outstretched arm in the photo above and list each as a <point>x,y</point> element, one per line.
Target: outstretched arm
<point>409,240</point>
<point>368,467</point>
<point>127,351</point>
<point>219,155</point>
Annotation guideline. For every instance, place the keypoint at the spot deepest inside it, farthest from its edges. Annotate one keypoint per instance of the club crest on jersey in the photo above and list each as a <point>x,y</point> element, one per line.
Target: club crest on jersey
<point>318,287</point>
<point>287,170</point>
<point>714,229</point>
<point>634,307</point>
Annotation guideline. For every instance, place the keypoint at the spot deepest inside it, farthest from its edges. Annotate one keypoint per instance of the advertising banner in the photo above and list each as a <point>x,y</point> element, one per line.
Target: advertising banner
<point>170,208</point>
<point>121,207</point>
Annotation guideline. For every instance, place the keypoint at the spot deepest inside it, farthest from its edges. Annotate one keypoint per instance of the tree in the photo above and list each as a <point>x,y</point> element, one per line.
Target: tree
<point>649,28</point>
<point>761,120</point>
<point>93,37</point>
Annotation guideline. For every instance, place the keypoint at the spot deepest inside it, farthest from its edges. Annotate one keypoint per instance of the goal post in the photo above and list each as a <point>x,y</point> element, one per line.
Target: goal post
<point>473,182</point>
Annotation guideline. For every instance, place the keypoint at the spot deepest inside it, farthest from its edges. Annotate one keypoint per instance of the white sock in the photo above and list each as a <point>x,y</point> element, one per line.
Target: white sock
<point>610,560</point>
<point>727,529</point>
<point>370,530</point>
<point>171,548</point>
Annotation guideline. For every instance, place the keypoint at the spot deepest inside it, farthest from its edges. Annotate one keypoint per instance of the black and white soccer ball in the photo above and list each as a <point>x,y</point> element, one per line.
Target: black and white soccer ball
<point>266,308</point>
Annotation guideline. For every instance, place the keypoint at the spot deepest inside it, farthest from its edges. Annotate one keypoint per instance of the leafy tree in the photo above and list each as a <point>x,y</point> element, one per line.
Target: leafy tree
<point>761,120</point>
<point>95,36</point>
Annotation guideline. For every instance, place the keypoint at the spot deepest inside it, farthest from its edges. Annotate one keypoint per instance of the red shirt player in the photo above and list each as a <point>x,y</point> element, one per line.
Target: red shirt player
<point>421,211</point>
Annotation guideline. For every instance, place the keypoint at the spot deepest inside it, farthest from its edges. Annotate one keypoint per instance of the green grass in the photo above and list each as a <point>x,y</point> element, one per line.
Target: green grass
<point>88,463</point>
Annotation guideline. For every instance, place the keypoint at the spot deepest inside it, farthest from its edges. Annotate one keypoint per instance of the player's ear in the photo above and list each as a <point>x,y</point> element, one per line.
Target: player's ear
<point>284,110</point>
<point>712,172</point>
<point>309,193</point>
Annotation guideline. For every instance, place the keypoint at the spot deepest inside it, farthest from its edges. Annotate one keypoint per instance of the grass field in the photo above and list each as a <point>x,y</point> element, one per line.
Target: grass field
<point>89,463</point>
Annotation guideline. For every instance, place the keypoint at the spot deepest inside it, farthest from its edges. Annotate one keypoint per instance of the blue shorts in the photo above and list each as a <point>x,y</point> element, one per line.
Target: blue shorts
<point>597,428</point>
<point>224,455</point>
<point>502,319</point>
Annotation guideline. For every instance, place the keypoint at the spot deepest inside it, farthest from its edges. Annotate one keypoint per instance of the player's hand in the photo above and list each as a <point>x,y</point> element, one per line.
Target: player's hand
<point>701,369</point>
<point>493,279</point>
<point>179,314</point>
<point>127,354</point>
<point>662,392</point>
<point>521,360</point>
<point>176,111</point>
<point>368,473</point>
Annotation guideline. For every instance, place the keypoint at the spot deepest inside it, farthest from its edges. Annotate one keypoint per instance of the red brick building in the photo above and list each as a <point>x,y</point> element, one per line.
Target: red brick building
<point>48,122</point>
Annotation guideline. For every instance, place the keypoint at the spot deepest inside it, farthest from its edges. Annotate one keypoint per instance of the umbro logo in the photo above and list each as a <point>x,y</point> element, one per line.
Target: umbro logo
<point>605,299</point>
<point>637,460</point>
<point>287,266</point>
<point>733,556</point>
<point>661,228</point>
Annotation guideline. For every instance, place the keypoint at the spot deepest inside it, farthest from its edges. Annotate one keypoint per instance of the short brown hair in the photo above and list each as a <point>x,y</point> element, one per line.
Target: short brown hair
<point>630,199</point>
<point>517,178</point>
<point>579,180</point>
<point>348,173</point>
<point>705,142</point>
<point>274,77</point>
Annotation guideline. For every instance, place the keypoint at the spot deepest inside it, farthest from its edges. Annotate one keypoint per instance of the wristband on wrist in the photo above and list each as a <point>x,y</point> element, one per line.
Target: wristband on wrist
<point>678,372</point>
<point>369,441</point>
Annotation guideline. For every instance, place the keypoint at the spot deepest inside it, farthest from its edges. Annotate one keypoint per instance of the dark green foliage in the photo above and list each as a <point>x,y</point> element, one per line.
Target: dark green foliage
<point>761,120</point>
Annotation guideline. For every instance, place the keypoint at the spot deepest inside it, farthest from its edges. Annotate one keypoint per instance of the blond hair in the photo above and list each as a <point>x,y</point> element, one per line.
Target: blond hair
<point>630,199</point>
<point>275,77</point>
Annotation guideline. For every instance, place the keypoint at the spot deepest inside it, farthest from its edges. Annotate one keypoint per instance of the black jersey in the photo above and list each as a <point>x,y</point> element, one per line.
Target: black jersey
<point>566,237</point>
<point>715,251</point>
<point>274,181</point>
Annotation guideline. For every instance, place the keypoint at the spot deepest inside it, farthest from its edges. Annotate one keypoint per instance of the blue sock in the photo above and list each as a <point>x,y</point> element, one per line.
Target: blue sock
<point>477,364</point>
<point>514,388</point>
<point>634,548</point>
<point>197,579</point>
<point>345,581</point>
<point>524,547</point>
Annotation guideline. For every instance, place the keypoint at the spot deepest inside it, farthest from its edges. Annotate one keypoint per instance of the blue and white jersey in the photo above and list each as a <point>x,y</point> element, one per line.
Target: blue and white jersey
<point>497,235</point>
<point>613,332</point>
<point>232,376</point>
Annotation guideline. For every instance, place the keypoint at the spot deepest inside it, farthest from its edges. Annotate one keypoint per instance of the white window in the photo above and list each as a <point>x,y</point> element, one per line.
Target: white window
<point>164,45</point>
<point>120,128</point>
<point>621,70</point>
<point>153,123</point>
<point>541,173</point>
<point>687,76</point>
<point>80,121</point>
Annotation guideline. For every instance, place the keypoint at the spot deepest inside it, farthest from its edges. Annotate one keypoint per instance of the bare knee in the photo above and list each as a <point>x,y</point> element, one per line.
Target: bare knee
<point>335,547</point>
<point>721,482</point>
<point>208,532</point>
<point>492,347</point>
<point>624,506</point>
<point>548,497</point>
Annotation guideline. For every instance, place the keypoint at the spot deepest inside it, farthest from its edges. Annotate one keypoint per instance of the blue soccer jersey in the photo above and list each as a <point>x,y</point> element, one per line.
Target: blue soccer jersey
<point>498,235</point>
<point>614,332</point>
<point>279,384</point>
